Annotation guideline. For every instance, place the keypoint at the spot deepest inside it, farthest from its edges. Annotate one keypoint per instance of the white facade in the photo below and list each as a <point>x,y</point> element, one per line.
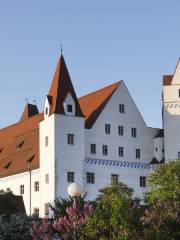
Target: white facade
<point>171,116</point>
<point>118,144</point>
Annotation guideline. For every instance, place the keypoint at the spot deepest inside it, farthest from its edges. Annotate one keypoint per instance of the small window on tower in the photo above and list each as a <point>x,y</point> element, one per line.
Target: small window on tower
<point>70,139</point>
<point>46,141</point>
<point>47,178</point>
<point>46,110</point>
<point>179,93</point>
<point>69,108</point>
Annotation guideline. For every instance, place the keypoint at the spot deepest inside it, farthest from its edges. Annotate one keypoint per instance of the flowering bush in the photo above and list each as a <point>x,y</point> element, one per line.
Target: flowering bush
<point>162,221</point>
<point>66,227</point>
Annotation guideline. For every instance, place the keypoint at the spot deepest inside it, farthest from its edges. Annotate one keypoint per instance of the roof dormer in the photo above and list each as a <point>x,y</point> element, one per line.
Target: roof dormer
<point>69,105</point>
<point>47,106</point>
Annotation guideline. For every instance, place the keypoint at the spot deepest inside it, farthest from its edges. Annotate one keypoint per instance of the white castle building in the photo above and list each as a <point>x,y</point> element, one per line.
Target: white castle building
<point>92,140</point>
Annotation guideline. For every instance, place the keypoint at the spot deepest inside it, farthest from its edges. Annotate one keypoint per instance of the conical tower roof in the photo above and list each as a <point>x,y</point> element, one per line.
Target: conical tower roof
<point>60,87</point>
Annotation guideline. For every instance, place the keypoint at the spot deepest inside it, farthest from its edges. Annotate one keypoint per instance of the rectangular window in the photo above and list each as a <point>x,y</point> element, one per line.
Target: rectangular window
<point>46,209</point>
<point>121,130</point>
<point>21,189</point>
<point>179,93</point>
<point>138,153</point>
<point>105,149</point>
<point>133,132</point>
<point>121,151</point>
<point>142,181</point>
<point>121,108</point>
<point>36,186</point>
<point>46,141</point>
<point>107,128</point>
<point>69,108</point>
<point>70,177</point>
<point>93,148</point>
<point>70,139</point>
<point>90,177</point>
<point>114,178</point>
<point>47,178</point>
<point>36,212</point>
<point>178,155</point>
<point>46,110</point>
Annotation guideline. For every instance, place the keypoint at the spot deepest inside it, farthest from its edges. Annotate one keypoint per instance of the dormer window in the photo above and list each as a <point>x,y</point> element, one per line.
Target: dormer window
<point>7,166</point>
<point>30,160</point>
<point>19,146</point>
<point>69,108</point>
<point>69,105</point>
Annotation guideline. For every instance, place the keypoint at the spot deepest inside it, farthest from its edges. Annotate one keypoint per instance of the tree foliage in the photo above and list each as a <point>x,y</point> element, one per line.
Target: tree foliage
<point>164,183</point>
<point>161,221</point>
<point>115,215</point>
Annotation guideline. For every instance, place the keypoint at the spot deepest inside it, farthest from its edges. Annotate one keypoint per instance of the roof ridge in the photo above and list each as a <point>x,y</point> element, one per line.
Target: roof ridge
<point>19,123</point>
<point>101,89</point>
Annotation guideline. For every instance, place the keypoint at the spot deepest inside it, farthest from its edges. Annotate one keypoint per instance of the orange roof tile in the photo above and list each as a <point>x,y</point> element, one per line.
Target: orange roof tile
<point>93,103</point>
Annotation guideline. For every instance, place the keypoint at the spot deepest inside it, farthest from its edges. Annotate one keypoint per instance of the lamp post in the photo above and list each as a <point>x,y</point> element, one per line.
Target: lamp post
<point>74,190</point>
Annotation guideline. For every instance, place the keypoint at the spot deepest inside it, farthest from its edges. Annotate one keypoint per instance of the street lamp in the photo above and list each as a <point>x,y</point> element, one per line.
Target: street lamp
<point>74,190</point>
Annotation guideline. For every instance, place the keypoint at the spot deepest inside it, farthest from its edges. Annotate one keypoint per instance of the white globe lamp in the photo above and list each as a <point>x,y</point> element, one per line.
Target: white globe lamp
<point>74,190</point>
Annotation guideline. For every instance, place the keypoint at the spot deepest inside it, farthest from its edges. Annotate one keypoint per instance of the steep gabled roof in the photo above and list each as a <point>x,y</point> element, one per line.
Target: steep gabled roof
<point>93,103</point>
<point>60,87</point>
<point>20,142</point>
<point>29,111</point>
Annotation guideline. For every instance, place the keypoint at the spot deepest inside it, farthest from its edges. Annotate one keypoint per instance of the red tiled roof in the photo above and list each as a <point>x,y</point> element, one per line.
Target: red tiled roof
<point>167,79</point>
<point>93,103</point>
<point>20,142</point>
<point>60,87</point>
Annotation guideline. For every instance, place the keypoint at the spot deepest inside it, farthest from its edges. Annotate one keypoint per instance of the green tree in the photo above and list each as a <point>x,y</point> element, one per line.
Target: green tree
<point>164,183</point>
<point>116,215</point>
<point>161,219</point>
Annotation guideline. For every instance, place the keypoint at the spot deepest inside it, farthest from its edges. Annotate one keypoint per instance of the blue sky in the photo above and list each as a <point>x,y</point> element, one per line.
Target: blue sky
<point>103,41</point>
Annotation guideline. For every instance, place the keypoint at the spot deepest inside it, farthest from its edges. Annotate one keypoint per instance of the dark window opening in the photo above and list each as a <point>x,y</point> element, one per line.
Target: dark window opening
<point>133,132</point>
<point>138,153</point>
<point>70,139</point>
<point>114,178</point>
<point>93,148</point>
<point>121,108</point>
<point>121,130</point>
<point>121,151</point>
<point>105,149</point>
<point>107,128</point>
<point>69,108</point>
<point>142,181</point>
<point>90,177</point>
<point>70,177</point>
